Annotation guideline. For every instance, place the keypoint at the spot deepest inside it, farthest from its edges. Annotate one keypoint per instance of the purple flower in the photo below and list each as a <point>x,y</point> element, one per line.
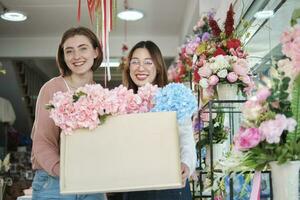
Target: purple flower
<point>205,36</point>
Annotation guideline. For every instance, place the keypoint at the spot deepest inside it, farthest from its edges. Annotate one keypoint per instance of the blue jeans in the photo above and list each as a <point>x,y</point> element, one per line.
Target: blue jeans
<point>46,187</point>
<point>172,194</point>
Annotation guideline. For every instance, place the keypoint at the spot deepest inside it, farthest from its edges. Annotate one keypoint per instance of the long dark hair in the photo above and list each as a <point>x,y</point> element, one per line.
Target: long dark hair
<point>161,78</point>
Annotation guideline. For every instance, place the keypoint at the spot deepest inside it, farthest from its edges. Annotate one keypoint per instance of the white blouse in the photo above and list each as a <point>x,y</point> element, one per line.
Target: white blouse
<point>187,145</point>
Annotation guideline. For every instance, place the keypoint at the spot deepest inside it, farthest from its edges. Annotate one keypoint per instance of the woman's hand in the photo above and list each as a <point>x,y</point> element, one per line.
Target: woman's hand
<point>185,171</point>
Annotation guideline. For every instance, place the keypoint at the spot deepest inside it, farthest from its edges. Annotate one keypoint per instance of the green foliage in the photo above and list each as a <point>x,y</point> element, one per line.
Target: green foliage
<point>77,95</point>
<point>220,132</point>
<point>296,103</point>
<point>49,106</point>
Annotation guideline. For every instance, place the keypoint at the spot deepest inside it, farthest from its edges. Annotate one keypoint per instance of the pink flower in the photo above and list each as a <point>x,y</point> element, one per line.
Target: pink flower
<point>213,80</point>
<point>263,94</point>
<point>252,109</point>
<point>240,67</point>
<point>232,77</point>
<point>205,71</point>
<point>247,138</point>
<point>271,130</point>
<point>245,79</point>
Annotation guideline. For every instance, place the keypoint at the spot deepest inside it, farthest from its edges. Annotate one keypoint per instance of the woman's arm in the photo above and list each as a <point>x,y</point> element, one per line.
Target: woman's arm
<point>45,135</point>
<point>187,145</point>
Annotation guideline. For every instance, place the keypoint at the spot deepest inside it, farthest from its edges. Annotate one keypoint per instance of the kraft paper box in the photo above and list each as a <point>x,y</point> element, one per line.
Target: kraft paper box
<point>127,153</point>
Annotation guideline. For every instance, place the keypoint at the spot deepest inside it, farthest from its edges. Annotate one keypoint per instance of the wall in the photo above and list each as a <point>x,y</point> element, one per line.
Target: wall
<point>10,90</point>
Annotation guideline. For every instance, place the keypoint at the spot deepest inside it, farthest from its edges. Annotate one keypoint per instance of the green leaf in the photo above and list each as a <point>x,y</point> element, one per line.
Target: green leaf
<point>49,106</point>
<point>295,16</point>
<point>296,104</point>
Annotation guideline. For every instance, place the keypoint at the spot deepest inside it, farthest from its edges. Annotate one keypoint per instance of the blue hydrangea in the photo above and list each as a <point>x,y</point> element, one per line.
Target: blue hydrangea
<point>176,97</point>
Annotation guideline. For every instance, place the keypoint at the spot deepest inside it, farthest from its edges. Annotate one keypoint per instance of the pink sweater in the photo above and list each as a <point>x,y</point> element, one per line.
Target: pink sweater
<point>45,134</point>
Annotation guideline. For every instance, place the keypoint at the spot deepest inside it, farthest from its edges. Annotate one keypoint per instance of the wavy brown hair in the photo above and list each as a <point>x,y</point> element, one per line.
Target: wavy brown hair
<point>60,58</point>
<point>161,78</point>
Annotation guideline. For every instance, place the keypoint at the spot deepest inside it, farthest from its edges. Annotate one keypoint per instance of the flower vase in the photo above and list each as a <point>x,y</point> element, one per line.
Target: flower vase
<point>218,150</point>
<point>285,180</point>
<point>227,91</point>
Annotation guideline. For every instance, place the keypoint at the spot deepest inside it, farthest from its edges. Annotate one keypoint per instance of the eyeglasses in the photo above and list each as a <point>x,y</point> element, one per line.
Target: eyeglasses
<point>136,62</point>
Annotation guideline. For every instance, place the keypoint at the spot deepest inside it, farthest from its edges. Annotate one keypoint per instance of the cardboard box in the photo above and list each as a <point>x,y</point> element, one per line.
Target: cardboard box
<point>127,153</point>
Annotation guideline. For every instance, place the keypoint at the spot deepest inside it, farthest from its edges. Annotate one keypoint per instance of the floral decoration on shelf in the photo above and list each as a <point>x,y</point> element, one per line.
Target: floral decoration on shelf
<point>89,106</point>
<point>182,70</point>
<point>222,59</point>
<point>271,130</point>
<point>220,132</point>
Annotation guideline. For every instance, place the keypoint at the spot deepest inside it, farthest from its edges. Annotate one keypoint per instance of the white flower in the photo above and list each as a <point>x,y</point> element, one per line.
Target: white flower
<point>223,73</point>
<point>204,83</point>
<point>218,63</point>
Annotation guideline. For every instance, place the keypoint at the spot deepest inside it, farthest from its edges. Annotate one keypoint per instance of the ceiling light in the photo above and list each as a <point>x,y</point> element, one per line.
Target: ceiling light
<point>130,15</point>
<point>264,14</point>
<point>15,16</point>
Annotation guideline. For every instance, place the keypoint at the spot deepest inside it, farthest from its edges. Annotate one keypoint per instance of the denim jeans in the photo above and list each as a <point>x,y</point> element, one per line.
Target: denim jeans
<point>46,187</point>
<point>172,194</point>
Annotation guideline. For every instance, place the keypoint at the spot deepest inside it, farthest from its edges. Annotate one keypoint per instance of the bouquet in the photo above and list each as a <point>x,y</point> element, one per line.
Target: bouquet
<point>88,106</point>
<point>270,131</point>
<point>182,70</point>
<point>221,59</point>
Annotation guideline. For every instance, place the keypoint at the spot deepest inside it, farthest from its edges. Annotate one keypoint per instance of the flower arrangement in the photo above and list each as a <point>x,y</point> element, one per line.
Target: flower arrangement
<point>88,106</point>
<point>221,59</point>
<point>269,131</point>
<point>220,133</point>
<point>184,66</point>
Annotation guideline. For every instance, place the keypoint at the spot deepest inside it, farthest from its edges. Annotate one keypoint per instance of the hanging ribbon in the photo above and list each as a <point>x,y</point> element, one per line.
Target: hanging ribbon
<point>78,10</point>
<point>255,193</point>
<point>105,8</point>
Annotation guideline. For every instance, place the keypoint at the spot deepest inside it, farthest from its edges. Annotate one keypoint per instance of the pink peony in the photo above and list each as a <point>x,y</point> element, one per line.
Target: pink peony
<point>240,67</point>
<point>213,80</point>
<point>271,130</point>
<point>247,138</point>
<point>205,71</point>
<point>232,77</point>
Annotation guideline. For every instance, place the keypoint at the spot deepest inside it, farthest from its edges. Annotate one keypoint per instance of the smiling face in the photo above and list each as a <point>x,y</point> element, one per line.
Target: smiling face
<point>142,69</point>
<point>79,54</point>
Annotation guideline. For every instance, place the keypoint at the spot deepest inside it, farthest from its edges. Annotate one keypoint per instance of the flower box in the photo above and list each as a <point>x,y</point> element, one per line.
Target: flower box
<point>126,153</point>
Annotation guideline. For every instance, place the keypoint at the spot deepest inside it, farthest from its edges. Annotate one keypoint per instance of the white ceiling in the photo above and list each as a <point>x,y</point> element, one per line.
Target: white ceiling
<point>166,22</point>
